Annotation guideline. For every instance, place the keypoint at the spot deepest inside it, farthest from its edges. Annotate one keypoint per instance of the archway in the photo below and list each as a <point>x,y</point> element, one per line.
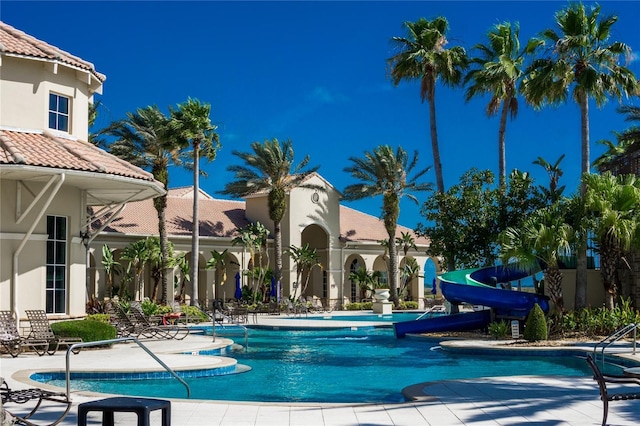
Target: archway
<point>315,280</point>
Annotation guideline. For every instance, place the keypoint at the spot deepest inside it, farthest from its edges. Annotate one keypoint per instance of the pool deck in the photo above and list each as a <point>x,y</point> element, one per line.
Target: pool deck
<point>511,400</point>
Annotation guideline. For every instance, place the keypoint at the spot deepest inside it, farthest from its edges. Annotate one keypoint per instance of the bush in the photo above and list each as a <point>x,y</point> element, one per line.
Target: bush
<point>88,330</point>
<point>499,329</point>
<point>359,306</point>
<point>105,318</point>
<point>535,328</point>
<point>408,305</point>
<point>193,313</point>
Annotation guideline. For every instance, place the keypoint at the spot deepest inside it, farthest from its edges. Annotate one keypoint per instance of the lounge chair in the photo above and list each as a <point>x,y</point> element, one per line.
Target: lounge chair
<point>11,340</point>
<point>40,396</point>
<point>605,394</point>
<point>41,330</point>
<point>143,326</point>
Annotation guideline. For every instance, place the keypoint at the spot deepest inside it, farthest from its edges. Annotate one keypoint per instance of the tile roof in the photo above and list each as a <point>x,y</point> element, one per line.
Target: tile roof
<point>45,149</point>
<point>358,226</point>
<point>221,218</point>
<point>218,218</point>
<point>18,43</point>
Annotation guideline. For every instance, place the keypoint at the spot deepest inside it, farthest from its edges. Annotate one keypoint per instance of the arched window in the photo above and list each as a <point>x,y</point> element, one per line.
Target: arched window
<point>354,287</point>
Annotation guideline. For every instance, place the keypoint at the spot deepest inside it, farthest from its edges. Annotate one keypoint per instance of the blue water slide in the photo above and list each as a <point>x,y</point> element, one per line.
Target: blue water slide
<point>483,287</point>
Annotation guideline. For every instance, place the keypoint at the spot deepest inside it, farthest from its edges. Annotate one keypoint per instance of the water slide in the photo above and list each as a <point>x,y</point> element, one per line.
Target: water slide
<point>488,287</point>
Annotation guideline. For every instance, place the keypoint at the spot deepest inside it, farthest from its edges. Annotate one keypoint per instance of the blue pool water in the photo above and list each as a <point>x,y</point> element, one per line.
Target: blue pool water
<point>390,318</point>
<point>345,365</point>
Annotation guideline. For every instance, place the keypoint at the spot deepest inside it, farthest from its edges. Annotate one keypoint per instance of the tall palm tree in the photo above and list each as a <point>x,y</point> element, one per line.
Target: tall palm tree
<point>423,57</point>
<point>497,72</point>
<point>582,62</point>
<point>270,168</point>
<point>541,240</point>
<point>305,258</point>
<point>386,173</point>
<point>137,253</point>
<point>145,139</point>
<point>254,238</point>
<point>192,122</point>
<point>614,206</point>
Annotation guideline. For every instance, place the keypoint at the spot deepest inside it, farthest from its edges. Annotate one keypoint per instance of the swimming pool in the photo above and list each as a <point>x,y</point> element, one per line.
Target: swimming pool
<point>388,318</point>
<point>343,366</point>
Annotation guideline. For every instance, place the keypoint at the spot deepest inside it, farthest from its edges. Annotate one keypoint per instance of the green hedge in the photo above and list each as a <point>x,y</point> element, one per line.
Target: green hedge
<point>88,330</point>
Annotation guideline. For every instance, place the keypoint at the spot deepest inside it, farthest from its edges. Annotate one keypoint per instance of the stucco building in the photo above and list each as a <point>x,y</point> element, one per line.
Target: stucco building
<point>50,174</point>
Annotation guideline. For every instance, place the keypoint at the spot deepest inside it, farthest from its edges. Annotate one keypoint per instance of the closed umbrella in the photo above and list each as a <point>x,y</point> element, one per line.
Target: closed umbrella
<point>238,294</point>
<point>274,289</point>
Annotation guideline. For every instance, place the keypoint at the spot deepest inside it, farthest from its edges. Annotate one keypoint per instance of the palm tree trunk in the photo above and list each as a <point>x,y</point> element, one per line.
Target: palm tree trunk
<point>553,277</point>
<point>393,271</point>
<point>581,266</point>
<point>437,165</point>
<point>502,130</point>
<point>278,249</point>
<point>161,205</point>
<point>195,232</point>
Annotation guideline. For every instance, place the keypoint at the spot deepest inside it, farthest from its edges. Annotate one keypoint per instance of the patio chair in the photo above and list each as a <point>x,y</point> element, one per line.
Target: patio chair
<point>40,396</point>
<point>145,327</point>
<point>13,342</point>
<point>605,394</point>
<point>41,330</point>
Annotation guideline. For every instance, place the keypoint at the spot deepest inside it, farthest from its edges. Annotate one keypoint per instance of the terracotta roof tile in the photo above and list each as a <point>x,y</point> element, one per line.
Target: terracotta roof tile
<point>221,218</point>
<point>358,226</point>
<point>16,42</point>
<point>48,150</point>
<point>218,218</point>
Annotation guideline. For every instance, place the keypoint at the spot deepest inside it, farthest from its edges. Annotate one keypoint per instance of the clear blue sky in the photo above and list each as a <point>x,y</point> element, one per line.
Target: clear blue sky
<point>316,72</point>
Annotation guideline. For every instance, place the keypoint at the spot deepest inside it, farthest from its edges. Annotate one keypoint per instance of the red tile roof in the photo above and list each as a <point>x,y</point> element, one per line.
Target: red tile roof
<point>221,218</point>
<point>18,43</point>
<point>358,226</point>
<point>48,150</point>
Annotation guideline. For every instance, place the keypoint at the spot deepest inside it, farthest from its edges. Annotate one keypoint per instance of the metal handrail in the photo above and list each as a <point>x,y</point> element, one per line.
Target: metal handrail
<point>435,308</point>
<point>119,340</point>
<point>229,320</point>
<point>615,336</point>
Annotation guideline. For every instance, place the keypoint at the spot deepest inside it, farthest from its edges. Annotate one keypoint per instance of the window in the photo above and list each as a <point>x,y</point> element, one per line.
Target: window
<point>56,290</point>
<point>58,112</point>
<point>354,286</point>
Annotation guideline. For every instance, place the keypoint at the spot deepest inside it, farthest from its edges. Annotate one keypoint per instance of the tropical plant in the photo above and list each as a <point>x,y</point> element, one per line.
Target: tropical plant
<point>423,57</point>
<point>111,268</point>
<point>539,242</point>
<point>270,168</point>
<point>218,264</point>
<point>145,139</point>
<point>305,258</point>
<point>386,173</point>
<point>192,123</point>
<point>156,263</point>
<point>137,253</point>
<point>409,272</point>
<point>183,265</point>
<point>581,61</point>
<point>613,205</point>
<point>365,280</point>
<point>628,143</point>
<point>499,329</point>
<point>254,238</point>
<point>554,192</point>
<point>498,72</point>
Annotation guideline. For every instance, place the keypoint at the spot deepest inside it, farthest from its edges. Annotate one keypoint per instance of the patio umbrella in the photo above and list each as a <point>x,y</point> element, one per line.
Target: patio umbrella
<point>238,294</point>
<point>274,289</point>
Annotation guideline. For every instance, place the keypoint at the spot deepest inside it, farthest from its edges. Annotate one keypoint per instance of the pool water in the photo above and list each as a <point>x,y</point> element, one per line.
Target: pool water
<point>343,366</point>
<point>389,318</point>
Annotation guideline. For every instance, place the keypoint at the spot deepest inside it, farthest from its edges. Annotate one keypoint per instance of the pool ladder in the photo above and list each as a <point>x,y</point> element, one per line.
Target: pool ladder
<point>614,337</point>
<point>77,346</point>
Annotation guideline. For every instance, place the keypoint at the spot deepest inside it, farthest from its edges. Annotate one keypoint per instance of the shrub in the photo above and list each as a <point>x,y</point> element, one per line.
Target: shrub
<point>105,318</point>
<point>499,329</point>
<point>88,330</point>
<point>193,313</point>
<point>535,328</point>
<point>149,307</point>
<point>408,305</point>
<point>359,306</point>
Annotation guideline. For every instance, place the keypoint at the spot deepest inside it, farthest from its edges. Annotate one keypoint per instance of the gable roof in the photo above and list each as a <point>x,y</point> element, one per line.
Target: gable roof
<point>17,43</point>
<point>358,226</point>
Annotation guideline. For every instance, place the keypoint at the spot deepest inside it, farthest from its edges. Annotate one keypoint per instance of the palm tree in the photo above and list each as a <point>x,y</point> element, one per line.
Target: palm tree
<point>218,263</point>
<point>614,206</point>
<point>192,122</point>
<point>137,253</point>
<point>254,238</point>
<point>541,240</point>
<point>498,72</point>
<point>111,268</point>
<point>305,259</point>
<point>581,62</point>
<point>628,144</point>
<point>145,139</point>
<point>366,280</point>
<point>383,172</point>
<point>423,57</point>
<point>554,192</point>
<point>270,168</point>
